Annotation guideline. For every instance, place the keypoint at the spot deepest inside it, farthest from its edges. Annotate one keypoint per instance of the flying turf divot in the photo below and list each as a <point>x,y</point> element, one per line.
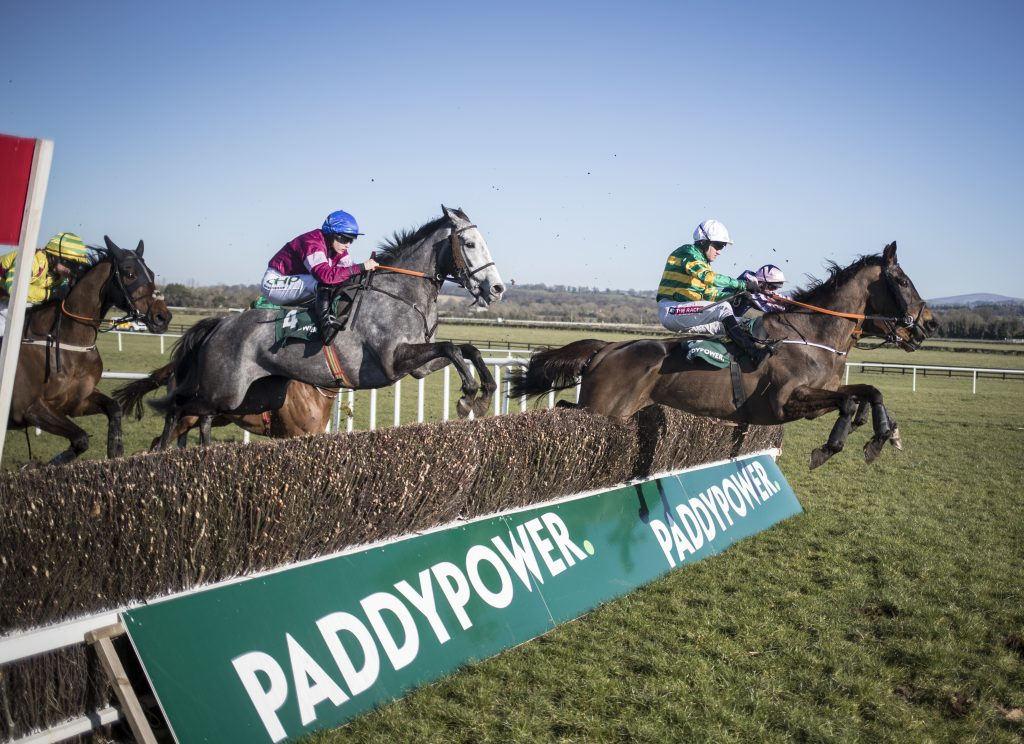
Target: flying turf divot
<point>276,656</point>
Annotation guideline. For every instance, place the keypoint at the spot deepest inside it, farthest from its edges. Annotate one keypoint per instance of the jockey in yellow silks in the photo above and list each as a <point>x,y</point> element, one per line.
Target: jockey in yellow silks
<point>51,267</point>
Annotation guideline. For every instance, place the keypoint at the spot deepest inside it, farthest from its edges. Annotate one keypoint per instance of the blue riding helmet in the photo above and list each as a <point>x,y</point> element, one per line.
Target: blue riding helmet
<point>341,223</point>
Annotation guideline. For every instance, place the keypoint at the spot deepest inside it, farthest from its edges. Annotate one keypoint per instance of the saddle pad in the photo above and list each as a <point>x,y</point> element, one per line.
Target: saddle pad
<point>295,322</point>
<point>708,351</point>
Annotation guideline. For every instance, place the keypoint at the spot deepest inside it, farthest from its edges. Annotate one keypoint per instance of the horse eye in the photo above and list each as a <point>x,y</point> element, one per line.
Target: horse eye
<point>129,275</point>
<point>903,281</point>
<point>470,244</point>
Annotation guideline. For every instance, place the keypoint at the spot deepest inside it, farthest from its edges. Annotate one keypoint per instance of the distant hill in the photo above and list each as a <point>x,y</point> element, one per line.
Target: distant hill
<point>978,298</point>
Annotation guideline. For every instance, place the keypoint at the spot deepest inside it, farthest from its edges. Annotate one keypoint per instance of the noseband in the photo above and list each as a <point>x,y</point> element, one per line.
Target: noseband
<point>906,321</point>
<point>463,271</point>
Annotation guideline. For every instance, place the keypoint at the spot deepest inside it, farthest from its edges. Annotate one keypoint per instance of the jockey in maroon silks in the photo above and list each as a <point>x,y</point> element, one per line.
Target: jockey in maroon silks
<point>312,264</point>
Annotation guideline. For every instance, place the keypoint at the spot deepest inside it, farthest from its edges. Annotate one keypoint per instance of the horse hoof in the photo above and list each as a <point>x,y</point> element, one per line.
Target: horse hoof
<point>872,449</point>
<point>819,456</point>
<point>894,438</point>
<point>463,407</point>
<point>480,406</point>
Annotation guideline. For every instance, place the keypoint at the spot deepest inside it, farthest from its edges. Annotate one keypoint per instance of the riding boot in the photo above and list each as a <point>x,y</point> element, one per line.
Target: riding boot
<point>745,341</point>
<point>326,323</point>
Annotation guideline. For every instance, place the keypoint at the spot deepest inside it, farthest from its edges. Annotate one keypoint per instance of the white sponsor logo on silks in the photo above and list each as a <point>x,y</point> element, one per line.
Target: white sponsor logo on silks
<point>268,682</point>
<point>711,511</point>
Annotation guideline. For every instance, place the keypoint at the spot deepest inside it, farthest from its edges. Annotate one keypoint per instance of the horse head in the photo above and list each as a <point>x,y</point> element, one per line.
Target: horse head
<point>132,287</point>
<point>897,297</point>
<point>470,260</point>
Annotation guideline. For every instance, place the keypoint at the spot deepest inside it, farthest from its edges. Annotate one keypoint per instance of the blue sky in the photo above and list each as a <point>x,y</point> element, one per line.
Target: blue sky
<point>585,139</point>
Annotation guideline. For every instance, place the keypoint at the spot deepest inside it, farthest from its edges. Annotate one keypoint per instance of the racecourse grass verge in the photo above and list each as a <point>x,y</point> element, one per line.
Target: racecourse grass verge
<point>891,610</point>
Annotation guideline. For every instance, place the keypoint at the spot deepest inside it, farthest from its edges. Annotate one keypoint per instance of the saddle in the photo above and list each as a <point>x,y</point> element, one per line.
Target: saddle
<point>720,350</point>
<point>298,322</point>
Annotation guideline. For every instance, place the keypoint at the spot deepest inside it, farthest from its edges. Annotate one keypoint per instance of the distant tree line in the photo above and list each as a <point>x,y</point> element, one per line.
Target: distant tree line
<point>592,304</point>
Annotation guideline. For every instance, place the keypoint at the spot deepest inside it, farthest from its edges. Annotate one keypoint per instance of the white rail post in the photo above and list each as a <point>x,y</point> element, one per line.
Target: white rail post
<point>373,409</point>
<point>974,382</point>
<point>472,373</point>
<point>913,379</point>
<point>419,400</point>
<point>351,411</point>
<point>551,399</point>
<point>444,395</point>
<point>398,403</point>
<point>336,413</point>
<point>161,343</point>
<point>847,375</point>
<point>497,389</point>
<point>245,436</point>
<point>119,334</point>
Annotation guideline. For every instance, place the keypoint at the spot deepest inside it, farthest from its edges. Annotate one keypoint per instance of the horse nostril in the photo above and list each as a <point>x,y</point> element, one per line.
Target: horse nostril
<point>498,289</point>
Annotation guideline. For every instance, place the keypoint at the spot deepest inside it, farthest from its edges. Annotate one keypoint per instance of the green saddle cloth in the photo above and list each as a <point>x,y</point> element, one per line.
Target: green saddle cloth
<point>295,322</point>
<point>714,349</point>
<point>710,351</point>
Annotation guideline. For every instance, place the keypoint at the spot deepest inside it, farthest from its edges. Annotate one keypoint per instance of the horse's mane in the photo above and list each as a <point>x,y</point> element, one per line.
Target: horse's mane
<point>400,240</point>
<point>837,275</point>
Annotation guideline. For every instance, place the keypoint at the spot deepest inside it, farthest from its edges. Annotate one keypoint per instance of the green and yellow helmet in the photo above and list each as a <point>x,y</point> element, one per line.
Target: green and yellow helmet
<point>69,247</point>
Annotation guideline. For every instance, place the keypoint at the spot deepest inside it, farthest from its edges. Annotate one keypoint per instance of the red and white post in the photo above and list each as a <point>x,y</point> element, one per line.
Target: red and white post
<point>24,174</point>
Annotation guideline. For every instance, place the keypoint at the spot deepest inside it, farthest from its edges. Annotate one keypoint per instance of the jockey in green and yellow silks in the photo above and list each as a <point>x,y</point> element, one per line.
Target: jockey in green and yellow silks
<point>692,297</point>
<point>51,267</point>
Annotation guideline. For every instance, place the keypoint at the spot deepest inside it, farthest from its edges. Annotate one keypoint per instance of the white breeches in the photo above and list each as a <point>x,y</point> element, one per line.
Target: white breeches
<point>694,317</point>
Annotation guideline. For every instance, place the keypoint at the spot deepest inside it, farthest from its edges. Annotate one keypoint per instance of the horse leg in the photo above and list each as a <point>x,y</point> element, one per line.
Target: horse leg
<point>837,437</point>
<point>861,416</point>
<point>205,426</point>
<point>41,415</point>
<point>880,420</point>
<point>171,421</point>
<point>97,402</point>
<point>808,402</point>
<point>419,360</point>
<point>487,384</point>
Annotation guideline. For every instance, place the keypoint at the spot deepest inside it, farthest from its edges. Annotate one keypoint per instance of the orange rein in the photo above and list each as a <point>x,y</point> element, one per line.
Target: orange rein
<point>90,321</point>
<point>396,270</point>
<point>780,298</point>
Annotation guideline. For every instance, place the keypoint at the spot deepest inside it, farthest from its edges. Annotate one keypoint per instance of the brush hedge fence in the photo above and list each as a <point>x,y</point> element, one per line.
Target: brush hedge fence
<point>98,535</point>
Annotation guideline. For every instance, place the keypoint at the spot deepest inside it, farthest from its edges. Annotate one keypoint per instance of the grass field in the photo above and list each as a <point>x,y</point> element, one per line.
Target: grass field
<point>891,610</point>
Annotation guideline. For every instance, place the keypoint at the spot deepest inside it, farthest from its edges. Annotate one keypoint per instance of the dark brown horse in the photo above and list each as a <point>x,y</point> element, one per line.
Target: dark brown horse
<point>802,380</point>
<point>59,366</point>
<point>306,409</point>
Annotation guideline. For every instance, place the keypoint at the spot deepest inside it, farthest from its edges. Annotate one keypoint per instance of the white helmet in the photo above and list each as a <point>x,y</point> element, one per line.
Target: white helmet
<point>711,230</point>
<point>770,274</point>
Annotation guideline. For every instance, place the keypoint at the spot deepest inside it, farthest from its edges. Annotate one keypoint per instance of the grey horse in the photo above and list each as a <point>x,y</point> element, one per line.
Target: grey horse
<point>235,365</point>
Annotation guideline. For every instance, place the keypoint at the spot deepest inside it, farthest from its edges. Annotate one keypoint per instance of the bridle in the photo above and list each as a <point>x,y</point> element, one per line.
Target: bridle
<point>463,273</point>
<point>145,277</point>
<point>905,321</point>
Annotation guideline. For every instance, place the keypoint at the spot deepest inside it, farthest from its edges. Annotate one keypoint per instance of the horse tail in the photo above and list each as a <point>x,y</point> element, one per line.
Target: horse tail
<point>130,396</point>
<point>182,357</point>
<point>554,369</point>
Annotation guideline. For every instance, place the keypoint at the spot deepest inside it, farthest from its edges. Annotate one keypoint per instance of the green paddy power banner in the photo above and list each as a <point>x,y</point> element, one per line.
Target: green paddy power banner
<point>274,657</point>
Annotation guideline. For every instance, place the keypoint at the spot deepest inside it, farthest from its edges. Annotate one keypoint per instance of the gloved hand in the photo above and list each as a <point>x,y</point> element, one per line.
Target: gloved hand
<point>753,285</point>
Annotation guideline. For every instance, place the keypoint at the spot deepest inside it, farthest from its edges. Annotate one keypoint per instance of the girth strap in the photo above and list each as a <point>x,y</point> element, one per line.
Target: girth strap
<point>739,395</point>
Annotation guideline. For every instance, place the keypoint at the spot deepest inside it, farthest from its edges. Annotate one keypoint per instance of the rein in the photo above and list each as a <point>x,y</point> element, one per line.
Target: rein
<point>826,311</point>
<point>463,273</point>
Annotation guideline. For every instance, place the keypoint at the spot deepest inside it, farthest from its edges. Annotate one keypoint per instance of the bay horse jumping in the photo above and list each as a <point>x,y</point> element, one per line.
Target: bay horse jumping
<point>236,365</point>
<point>59,365</point>
<point>872,296</point>
<point>306,409</point>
